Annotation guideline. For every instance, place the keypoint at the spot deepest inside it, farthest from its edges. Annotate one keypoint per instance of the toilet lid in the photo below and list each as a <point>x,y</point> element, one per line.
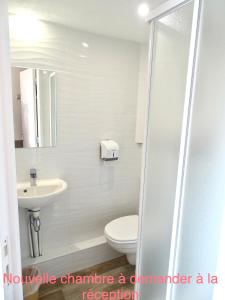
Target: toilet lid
<point>123,229</point>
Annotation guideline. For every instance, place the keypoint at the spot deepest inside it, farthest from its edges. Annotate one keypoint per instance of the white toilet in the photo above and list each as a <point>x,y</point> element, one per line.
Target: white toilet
<point>121,234</point>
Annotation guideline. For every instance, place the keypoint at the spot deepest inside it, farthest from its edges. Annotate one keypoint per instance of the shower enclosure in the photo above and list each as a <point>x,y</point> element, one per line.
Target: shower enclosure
<point>183,190</point>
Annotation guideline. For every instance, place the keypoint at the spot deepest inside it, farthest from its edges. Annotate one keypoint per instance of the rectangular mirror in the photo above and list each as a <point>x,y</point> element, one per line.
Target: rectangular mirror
<point>34,107</point>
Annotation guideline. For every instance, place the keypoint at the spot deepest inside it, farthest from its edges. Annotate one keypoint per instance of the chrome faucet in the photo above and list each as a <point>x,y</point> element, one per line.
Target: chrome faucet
<point>33,177</point>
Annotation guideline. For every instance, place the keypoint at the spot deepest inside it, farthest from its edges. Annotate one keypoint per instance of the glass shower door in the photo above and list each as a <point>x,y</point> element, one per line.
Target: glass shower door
<point>170,54</point>
<point>203,231</point>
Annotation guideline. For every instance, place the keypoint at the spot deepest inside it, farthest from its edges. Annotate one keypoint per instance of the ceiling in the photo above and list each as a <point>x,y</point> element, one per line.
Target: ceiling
<point>116,18</point>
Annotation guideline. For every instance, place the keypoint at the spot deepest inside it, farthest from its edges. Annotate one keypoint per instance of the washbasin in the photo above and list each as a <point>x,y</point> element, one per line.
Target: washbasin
<point>43,194</point>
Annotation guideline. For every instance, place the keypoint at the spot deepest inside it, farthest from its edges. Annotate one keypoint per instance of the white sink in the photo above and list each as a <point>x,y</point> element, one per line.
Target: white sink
<point>43,194</point>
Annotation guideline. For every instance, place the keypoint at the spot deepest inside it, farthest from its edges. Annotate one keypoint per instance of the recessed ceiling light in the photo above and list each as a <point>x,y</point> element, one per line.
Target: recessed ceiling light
<point>143,10</point>
<point>85,45</point>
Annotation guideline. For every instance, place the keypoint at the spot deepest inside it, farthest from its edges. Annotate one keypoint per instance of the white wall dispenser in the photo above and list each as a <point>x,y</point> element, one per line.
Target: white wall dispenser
<point>109,150</point>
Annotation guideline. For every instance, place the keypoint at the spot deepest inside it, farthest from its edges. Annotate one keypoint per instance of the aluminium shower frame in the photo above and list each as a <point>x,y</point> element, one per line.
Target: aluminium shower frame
<point>162,11</point>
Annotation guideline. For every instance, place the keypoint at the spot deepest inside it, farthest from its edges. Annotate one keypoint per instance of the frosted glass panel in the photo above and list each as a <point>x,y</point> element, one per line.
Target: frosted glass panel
<point>170,60</point>
<point>204,201</point>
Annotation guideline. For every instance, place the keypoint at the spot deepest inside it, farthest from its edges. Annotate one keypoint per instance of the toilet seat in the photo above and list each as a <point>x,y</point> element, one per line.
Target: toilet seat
<point>123,230</point>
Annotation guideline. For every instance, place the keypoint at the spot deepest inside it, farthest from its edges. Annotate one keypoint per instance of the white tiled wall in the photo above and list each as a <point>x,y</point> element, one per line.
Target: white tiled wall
<point>96,99</point>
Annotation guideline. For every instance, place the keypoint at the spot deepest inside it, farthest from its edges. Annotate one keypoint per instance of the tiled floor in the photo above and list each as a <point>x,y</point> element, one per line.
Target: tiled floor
<point>74,292</point>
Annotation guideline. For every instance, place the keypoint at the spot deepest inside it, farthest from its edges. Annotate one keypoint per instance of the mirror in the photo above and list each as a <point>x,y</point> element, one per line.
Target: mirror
<point>34,107</point>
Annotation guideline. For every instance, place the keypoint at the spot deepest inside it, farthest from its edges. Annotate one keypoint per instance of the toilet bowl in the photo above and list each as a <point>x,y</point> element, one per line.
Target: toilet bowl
<point>121,235</point>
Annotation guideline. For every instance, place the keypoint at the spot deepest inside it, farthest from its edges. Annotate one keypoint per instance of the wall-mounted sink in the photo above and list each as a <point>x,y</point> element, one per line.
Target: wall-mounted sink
<point>43,194</point>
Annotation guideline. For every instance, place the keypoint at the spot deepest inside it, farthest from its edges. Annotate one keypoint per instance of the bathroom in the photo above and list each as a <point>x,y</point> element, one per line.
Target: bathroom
<point>99,76</point>
<point>116,166</point>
